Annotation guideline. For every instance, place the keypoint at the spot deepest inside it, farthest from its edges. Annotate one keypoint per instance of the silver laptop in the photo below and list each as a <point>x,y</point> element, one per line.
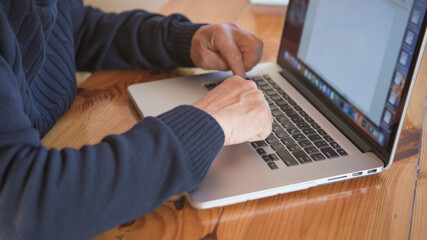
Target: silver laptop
<point>338,92</point>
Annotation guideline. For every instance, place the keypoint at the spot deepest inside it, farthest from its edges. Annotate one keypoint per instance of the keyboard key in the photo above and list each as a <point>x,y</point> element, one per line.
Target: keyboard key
<point>308,119</point>
<point>335,145</point>
<point>278,128</point>
<point>328,138</point>
<point>270,93</point>
<point>311,150</point>
<point>266,77</point>
<point>315,125</point>
<point>261,83</point>
<point>293,131</point>
<point>286,108</point>
<point>273,157</point>
<point>272,139</point>
<point>321,132</point>
<point>303,114</point>
<point>272,165</point>
<point>284,95</point>
<point>283,119</point>
<point>314,137</point>
<point>275,85</point>
<point>266,158</point>
<point>308,131</point>
<point>297,119</point>
<point>329,152</point>
<point>299,137</point>
<point>276,113</point>
<point>342,152</point>
<point>303,126</point>
<point>287,158</point>
<point>288,141</point>
<point>282,135</point>
<point>321,144</point>
<point>277,146</point>
<point>317,157</point>
<point>266,88</point>
<point>291,114</point>
<point>281,102</point>
<point>210,86</point>
<point>290,101</point>
<point>261,151</point>
<point>275,97</point>
<point>259,144</point>
<point>288,125</point>
<point>293,147</point>
<point>302,157</point>
<point>258,79</point>
<point>305,143</point>
<point>273,107</point>
<point>297,108</point>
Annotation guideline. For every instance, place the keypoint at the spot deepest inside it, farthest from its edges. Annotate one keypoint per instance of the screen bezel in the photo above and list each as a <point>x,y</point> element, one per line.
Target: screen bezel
<point>383,152</point>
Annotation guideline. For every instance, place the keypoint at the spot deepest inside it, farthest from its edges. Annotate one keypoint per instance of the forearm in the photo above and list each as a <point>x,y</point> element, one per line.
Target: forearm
<point>130,40</point>
<point>101,186</point>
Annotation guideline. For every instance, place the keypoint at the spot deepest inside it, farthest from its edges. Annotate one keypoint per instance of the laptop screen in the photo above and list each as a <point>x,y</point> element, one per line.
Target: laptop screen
<point>358,55</point>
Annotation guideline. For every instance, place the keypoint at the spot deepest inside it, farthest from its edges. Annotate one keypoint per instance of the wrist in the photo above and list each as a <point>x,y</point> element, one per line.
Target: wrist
<point>199,133</point>
<point>181,32</point>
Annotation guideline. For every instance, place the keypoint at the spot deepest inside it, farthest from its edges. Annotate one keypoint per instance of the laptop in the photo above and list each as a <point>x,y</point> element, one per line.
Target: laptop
<point>338,92</point>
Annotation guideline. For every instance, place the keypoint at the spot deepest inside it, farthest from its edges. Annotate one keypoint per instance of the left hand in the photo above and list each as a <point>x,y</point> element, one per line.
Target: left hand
<point>225,47</point>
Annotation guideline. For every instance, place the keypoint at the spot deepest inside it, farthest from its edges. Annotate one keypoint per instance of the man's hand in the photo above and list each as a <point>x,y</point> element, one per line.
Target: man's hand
<point>225,47</point>
<point>240,109</point>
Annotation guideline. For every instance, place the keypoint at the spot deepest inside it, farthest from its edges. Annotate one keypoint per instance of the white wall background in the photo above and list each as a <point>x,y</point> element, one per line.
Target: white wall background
<point>123,5</point>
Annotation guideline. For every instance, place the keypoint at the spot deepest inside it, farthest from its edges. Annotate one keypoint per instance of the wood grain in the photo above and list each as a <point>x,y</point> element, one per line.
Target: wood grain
<point>419,222</point>
<point>102,107</point>
<point>375,207</point>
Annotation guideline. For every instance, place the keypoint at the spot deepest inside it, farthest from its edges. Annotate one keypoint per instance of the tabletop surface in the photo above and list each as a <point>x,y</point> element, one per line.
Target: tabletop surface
<point>383,206</point>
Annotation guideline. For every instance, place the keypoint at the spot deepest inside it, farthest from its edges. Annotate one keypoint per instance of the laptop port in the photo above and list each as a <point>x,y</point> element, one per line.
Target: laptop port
<point>372,171</point>
<point>357,174</point>
<point>336,178</point>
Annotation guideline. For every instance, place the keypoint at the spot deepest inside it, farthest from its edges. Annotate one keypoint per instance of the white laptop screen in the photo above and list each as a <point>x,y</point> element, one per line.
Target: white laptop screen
<point>357,54</point>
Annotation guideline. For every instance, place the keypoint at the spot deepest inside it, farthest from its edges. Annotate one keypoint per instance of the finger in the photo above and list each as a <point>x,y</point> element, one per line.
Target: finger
<point>213,61</point>
<point>232,55</point>
<point>250,46</point>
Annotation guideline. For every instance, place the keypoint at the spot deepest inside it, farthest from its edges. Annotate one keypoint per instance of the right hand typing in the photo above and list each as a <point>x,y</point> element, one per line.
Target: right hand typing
<point>240,109</point>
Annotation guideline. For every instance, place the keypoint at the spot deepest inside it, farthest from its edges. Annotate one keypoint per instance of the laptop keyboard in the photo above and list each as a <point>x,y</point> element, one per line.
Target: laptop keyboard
<point>296,138</point>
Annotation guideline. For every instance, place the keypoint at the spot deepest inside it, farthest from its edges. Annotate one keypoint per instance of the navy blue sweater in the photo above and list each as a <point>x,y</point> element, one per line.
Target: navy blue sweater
<point>79,193</point>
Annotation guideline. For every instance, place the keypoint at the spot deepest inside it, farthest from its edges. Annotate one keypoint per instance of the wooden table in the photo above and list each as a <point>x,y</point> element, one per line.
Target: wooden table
<point>385,206</point>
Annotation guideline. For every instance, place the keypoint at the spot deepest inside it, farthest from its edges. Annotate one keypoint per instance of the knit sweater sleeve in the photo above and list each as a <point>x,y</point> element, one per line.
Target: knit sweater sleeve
<point>130,40</point>
<point>80,193</point>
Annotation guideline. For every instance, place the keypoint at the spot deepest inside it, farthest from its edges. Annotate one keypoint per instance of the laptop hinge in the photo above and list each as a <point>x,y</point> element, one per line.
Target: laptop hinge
<point>331,115</point>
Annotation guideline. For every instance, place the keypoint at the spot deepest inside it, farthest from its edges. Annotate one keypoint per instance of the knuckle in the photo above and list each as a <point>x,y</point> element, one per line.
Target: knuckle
<point>252,88</point>
<point>236,55</point>
<point>221,28</point>
<point>251,84</point>
<point>257,98</point>
<point>235,78</point>
<point>232,25</point>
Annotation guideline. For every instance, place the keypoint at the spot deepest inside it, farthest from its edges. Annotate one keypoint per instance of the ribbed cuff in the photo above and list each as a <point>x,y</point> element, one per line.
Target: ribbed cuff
<point>181,33</point>
<point>199,132</point>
